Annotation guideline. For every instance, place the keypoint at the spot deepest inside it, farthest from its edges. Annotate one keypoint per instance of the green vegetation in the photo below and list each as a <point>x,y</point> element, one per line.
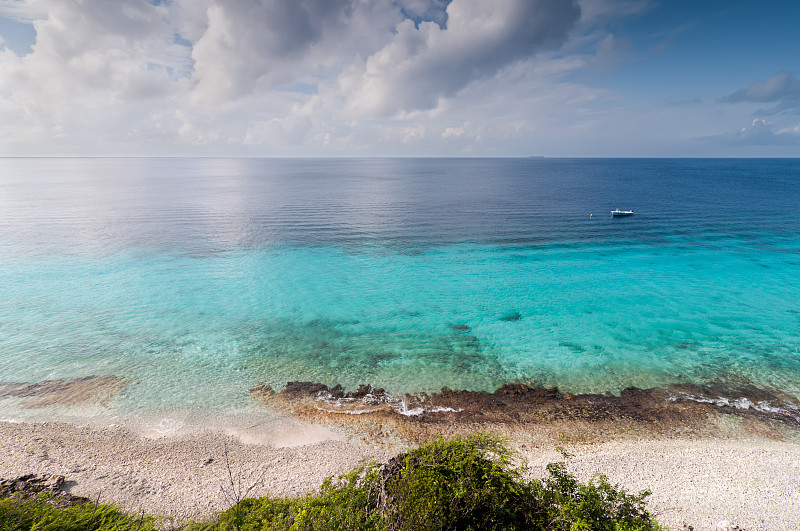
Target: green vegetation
<point>39,514</point>
<point>469,483</point>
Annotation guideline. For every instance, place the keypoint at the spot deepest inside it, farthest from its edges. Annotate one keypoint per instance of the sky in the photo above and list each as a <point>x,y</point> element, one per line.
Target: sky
<point>351,78</point>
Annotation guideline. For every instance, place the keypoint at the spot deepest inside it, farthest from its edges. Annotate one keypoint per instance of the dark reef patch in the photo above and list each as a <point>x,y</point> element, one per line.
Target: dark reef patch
<point>91,389</point>
<point>681,410</point>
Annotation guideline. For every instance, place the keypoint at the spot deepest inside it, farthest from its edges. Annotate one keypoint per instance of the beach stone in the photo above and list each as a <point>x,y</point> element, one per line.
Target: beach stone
<point>31,485</point>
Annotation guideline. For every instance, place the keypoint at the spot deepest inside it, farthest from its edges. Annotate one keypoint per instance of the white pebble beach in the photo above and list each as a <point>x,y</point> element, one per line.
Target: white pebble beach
<point>707,483</point>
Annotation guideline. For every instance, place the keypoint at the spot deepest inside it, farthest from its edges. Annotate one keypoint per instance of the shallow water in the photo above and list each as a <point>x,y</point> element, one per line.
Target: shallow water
<point>195,279</point>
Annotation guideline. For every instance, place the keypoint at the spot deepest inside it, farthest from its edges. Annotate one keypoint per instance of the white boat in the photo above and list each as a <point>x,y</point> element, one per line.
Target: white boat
<point>618,213</point>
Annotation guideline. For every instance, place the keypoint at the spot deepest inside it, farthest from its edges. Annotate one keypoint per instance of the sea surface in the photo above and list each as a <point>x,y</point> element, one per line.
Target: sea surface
<point>196,279</point>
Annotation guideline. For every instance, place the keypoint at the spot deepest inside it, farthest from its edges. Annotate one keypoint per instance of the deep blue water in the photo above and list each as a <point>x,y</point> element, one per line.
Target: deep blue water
<point>197,278</point>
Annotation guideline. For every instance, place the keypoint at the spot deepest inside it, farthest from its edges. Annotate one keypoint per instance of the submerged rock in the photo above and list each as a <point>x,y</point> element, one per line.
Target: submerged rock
<point>513,316</point>
<point>98,389</point>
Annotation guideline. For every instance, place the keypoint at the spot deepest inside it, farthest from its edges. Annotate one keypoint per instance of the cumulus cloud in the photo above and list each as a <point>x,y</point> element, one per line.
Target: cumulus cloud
<point>782,88</point>
<point>249,44</point>
<point>413,133</point>
<point>424,63</point>
<point>340,77</point>
<point>92,60</point>
<point>100,71</point>
<point>237,72</point>
<point>453,132</point>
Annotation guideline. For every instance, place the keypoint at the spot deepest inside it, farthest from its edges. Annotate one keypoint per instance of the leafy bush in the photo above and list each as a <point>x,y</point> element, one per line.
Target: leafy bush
<point>460,483</point>
<point>18,513</point>
<point>597,505</point>
<point>475,483</point>
<point>346,503</point>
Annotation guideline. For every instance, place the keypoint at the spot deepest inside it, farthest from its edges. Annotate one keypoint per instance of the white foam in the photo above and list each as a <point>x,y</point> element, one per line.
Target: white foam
<point>400,405</point>
<point>763,406</point>
<point>349,411</point>
<point>165,428</point>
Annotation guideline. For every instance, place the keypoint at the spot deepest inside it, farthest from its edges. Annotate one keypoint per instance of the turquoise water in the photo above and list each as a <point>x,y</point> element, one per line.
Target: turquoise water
<point>198,278</point>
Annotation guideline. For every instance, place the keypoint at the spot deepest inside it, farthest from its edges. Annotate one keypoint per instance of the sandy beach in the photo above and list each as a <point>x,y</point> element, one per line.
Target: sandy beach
<point>709,483</point>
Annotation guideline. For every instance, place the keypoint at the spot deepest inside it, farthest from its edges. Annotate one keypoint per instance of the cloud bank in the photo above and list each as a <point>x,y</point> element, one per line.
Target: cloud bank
<point>425,63</point>
<point>782,88</point>
<point>329,77</point>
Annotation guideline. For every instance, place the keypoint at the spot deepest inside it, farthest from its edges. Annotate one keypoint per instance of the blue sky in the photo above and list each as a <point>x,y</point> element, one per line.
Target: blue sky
<point>685,49</point>
<point>615,78</point>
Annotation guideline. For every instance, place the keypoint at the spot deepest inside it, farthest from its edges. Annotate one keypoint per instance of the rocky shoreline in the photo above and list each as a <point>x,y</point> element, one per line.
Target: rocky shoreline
<point>680,410</point>
<point>711,456</point>
<point>711,410</point>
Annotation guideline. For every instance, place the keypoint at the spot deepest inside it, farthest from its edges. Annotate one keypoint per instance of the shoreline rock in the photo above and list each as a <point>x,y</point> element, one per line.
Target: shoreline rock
<point>681,410</point>
<point>31,485</point>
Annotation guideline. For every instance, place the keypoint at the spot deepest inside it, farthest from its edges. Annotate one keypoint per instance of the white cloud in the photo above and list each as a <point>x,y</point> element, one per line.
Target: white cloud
<point>761,123</point>
<point>338,77</point>
<point>422,65</point>
<point>93,61</point>
<point>201,72</point>
<point>413,133</point>
<point>262,44</point>
<point>782,88</point>
<point>24,11</point>
<point>789,130</point>
<point>779,86</point>
<point>189,133</point>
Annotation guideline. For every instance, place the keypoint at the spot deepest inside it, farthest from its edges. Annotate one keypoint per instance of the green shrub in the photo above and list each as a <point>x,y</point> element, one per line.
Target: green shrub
<point>475,483</point>
<point>597,505</point>
<point>39,514</point>
<point>460,483</point>
<point>345,503</point>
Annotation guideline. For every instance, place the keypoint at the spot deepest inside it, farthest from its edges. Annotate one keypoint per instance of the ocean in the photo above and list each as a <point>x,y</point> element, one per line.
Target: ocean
<point>192,280</point>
